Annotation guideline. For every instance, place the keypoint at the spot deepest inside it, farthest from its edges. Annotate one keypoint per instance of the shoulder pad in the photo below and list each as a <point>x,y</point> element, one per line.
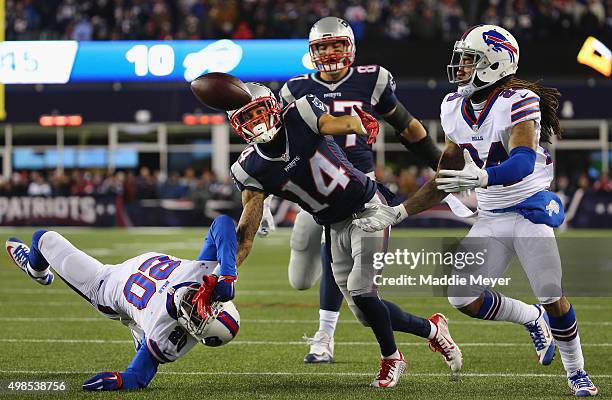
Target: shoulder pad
<point>518,105</point>
<point>450,102</point>
<point>241,171</point>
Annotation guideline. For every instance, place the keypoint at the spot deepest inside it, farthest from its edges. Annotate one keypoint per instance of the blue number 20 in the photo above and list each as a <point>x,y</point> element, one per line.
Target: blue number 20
<point>161,270</point>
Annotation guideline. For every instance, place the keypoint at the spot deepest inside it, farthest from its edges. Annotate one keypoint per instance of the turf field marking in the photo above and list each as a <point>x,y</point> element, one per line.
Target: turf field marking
<point>255,321</point>
<point>284,373</point>
<point>277,343</point>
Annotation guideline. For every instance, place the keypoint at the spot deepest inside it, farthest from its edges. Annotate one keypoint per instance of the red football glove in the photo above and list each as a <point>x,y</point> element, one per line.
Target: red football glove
<point>369,123</point>
<point>203,297</point>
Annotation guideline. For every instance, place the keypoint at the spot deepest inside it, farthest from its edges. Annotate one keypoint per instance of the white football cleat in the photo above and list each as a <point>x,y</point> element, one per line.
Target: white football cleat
<point>443,343</point>
<point>390,372</point>
<point>581,385</point>
<point>19,253</point>
<point>542,338</point>
<point>321,349</point>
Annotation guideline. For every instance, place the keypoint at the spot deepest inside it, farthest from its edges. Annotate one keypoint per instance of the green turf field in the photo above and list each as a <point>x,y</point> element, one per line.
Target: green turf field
<point>50,333</point>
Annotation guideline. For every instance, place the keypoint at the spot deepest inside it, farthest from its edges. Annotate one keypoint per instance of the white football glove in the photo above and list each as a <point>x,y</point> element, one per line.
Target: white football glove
<point>377,217</point>
<point>267,225</point>
<point>470,177</point>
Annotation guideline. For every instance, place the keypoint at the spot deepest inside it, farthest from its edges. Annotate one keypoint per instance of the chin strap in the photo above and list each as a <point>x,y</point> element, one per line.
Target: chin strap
<point>467,90</point>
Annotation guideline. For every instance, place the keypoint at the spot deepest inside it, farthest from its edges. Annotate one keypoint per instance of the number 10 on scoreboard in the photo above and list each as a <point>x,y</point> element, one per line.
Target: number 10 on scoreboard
<point>157,60</point>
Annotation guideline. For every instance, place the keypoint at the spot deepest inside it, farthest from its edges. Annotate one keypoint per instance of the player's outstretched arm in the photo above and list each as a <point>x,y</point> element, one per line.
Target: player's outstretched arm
<point>412,134</point>
<point>379,216</point>
<point>520,164</point>
<point>429,195</point>
<point>252,211</point>
<point>343,125</point>
<point>137,375</point>
<point>362,124</point>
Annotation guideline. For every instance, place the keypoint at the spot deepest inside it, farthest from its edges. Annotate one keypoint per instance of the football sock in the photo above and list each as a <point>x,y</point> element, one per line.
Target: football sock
<point>36,259</point>
<point>394,356</point>
<point>328,321</point>
<point>377,316</point>
<point>405,322</point>
<point>501,308</point>
<point>565,331</point>
<point>330,296</point>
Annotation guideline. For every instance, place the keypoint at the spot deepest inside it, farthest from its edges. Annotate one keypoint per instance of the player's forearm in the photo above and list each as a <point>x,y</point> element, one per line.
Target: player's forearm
<point>429,195</point>
<point>416,139</point>
<point>244,248</point>
<point>246,235</point>
<point>247,228</point>
<point>344,125</point>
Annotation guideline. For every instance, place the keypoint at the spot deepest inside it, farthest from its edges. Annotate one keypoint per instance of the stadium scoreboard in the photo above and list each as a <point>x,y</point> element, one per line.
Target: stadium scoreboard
<point>58,62</point>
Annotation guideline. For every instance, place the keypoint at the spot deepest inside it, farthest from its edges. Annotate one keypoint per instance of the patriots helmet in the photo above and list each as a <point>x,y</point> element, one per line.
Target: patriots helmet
<point>331,30</point>
<point>215,329</point>
<point>484,55</point>
<point>259,120</point>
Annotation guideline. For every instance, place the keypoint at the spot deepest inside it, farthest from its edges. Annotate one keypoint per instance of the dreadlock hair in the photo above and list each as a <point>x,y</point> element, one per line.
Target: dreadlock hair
<point>549,103</point>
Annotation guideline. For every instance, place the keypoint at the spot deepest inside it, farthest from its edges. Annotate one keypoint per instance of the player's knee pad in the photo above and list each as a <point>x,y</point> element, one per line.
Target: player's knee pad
<point>460,302</point>
<point>304,269</point>
<point>306,233</point>
<point>359,315</point>
<point>305,259</point>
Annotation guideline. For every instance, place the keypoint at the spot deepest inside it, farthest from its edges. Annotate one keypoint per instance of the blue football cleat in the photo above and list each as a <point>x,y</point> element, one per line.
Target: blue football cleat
<point>581,385</point>
<point>20,254</point>
<point>542,338</point>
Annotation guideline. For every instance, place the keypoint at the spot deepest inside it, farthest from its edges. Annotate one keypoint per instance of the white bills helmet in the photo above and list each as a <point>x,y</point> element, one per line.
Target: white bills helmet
<point>214,330</point>
<point>489,52</point>
<point>259,120</point>
<point>331,29</point>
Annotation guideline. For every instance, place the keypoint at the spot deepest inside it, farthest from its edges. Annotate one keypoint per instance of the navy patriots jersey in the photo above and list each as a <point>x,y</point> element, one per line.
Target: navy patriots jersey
<point>313,172</point>
<point>370,87</point>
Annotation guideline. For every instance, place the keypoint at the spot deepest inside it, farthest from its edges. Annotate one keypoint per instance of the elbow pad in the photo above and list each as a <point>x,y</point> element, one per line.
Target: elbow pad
<point>400,118</point>
<point>425,149</point>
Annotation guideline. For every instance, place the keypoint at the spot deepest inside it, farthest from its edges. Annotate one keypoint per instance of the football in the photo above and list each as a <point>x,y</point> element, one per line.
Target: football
<point>221,91</point>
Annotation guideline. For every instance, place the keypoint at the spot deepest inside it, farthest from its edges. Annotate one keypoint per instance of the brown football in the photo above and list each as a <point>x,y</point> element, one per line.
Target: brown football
<point>220,91</point>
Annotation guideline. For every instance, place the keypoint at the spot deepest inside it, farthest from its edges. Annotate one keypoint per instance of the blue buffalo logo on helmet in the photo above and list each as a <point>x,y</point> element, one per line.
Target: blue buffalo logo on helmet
<point>499,43</point>
<point>483,56</point>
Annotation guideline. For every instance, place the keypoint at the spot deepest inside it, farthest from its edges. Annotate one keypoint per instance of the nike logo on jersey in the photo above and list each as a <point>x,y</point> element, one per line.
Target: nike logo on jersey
<point>292,164</point>
<point>523,96</point>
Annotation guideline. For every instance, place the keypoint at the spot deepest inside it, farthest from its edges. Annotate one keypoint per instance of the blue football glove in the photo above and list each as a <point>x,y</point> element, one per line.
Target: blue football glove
<point>104,381</point>
<point>224,291</point>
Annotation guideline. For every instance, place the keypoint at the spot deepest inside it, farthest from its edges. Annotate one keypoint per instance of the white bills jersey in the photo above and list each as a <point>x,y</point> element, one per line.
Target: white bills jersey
<point>141,290</point>
<point>486,137</point>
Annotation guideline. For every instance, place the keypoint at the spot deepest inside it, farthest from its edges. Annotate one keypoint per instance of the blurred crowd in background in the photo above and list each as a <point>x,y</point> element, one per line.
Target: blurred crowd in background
<point>133,186</point>
<point>200,187</point>
<point>255,19</point>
